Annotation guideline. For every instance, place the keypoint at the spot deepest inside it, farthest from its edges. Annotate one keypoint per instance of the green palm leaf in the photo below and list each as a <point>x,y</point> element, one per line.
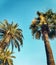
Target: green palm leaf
<point>11,31</point>
<point>17,44</point>
<point>50,18</point>
<point>6,57</point>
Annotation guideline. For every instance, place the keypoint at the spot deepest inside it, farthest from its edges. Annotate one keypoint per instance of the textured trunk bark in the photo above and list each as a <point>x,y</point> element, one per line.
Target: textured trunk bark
<point>5,42</point>
<point>50,59</point>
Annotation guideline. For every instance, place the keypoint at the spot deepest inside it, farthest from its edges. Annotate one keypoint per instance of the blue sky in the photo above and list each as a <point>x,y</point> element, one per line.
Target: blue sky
<point>23,12</point>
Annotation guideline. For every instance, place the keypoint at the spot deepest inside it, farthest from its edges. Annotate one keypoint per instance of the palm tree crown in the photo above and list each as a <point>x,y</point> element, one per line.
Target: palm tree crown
<point>44,21</point>
<point>6,57</point>
<point>10,34</point>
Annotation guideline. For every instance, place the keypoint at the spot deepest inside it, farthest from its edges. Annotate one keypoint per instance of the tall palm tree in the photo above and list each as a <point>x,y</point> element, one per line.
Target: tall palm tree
<point>45,26</point>
<point>10,33</point>
<point>6,57</point>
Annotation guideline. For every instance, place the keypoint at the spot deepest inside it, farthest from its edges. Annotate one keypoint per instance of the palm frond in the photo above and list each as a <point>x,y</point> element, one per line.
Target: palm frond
<point>2,26</point>
<point>19,38</point>
<point>19,30</point>
<point>38,35</point>
<point>2,31</point>
<point>17,44</point>
<point>10,62</point>
<point>52,34</point>
<point>15,26</point>
<point>19,33</point>
<point>34,28</point>
<point>12,44</point>
<point>5,22</point>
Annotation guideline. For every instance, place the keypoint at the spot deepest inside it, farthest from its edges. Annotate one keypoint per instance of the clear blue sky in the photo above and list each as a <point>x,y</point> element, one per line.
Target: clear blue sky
<point>23,12</point>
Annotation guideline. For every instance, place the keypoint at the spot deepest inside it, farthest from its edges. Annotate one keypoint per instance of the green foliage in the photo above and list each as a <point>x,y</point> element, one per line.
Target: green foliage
<point>13,31</point>
<point>6,57</point>
<point>44,22</point>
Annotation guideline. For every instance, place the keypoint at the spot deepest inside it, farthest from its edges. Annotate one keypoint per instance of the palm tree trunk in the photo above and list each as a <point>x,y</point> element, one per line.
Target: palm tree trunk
<point>5,42</point>
<point>50,59</point>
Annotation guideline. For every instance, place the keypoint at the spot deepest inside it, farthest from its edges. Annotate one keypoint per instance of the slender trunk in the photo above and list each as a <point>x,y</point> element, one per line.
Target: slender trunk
<point>7,39</point>
<point>50,59</point>
<point>5,42</point>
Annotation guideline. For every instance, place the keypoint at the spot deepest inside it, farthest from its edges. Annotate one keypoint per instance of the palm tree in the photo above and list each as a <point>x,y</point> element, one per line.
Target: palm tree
<point>45,26</point>
<point>10,33</point>
<point>6,57</point>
